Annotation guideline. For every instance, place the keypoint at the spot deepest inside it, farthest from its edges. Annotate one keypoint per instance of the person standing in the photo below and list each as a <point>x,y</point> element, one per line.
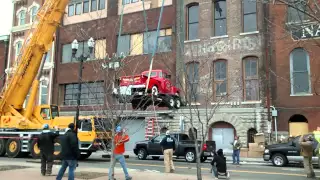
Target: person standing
<point>70,152</point>
<point>236,145</point>
<point>120,139</point>
<point>307,152</point>
<point>168,146</point>
<point>46,146</point>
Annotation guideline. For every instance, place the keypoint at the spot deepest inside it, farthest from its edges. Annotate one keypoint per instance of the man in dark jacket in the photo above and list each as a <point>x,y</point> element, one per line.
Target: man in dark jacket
<point>69,152</point>
<point>219,164</point>
<point>306,145</point>
<point>168,146</point>
<point>46,146</point>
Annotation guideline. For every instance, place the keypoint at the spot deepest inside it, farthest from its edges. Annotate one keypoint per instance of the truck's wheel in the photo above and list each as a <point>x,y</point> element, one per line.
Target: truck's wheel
<point>177,103</point>
<point>57,149</point>
<point>35,151</point>
<point>279,160</point>
<point>142,154</point>
<point>85,156</point>
<point>2,147</point>
<point>13,148</point>
<point>190,156</point>
<point>154,90</point>
<point>203,159</point>
<point>171,102</point>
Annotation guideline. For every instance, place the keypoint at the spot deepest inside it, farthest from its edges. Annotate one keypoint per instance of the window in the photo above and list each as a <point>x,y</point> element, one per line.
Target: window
<point>129,1</point>
<point>93,5</point>
<point>220,79</point>
<point>100,50</point>
<point>67,52</point>
<point>251,79</point>
<point>43,92</point>
<point>193,22</point>
<point>85,7</point>
<point>22,17</point>
<point>71,10</point>
<point>78,8</point>
<point>149,39</point>
<point>33,13</point>
<point>294,15</point>
<point>91,94</point>
<point>164,41</point>
<point>123,45</point>
<point>193,81</point>
<point>249,15</point>
<point>136,44</point>
<point>300,72</point>
<point>102,4</point>
<point>48,58</point>
<point>18,48</point>
<point>45,113</point>
<point>220,18</point>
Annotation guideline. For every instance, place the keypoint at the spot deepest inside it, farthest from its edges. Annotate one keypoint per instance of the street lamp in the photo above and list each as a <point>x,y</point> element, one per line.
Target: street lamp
<point>81,58</point>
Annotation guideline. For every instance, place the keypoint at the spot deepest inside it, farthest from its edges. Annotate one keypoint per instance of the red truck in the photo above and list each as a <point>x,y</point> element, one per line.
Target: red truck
<point>160,90</point>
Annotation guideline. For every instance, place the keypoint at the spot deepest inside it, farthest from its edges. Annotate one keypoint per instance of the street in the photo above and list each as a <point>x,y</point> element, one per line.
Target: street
<point>249,171</point>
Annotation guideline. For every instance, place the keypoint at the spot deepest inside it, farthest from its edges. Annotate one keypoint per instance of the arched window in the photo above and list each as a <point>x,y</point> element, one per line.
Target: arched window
<point>250,79</point>
<point>33,13</point>
<point>300,72</point>
<point>192,21</point>
<point>22,17</point>
<point>193,81</point>
<point>18,47</point>
<point>220,79</point>
<point>251,133</point>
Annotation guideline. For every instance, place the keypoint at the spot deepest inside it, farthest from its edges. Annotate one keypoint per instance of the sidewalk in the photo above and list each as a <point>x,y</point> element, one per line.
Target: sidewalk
<point>33,173</point>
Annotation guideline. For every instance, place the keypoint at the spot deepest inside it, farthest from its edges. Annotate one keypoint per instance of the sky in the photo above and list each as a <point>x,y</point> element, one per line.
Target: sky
<point>6,8</point>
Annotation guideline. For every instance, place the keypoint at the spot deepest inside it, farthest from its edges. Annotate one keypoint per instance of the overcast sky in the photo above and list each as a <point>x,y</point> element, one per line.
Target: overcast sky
<point>6,8</point>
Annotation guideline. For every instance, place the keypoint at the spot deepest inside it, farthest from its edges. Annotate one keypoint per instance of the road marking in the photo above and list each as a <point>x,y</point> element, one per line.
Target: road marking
<point>239,171</point>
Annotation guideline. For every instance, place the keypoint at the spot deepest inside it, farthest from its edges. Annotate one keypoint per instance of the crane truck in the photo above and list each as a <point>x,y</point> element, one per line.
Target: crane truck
<point>19,126</point>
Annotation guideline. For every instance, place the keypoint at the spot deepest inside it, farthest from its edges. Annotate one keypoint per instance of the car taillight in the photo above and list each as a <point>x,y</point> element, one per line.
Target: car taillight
<point>204,147</point>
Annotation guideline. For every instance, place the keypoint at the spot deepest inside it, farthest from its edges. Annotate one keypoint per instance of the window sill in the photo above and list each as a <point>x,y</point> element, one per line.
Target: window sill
<point>193,40</point>
<point>221,103</point>
<point>248,33</point>
<point>301,94</point>
<point>251,102</point>
<point>219,37</point>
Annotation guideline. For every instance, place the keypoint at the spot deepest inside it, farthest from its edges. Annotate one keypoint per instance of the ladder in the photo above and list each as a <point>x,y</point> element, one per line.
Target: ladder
<point>151,127</point>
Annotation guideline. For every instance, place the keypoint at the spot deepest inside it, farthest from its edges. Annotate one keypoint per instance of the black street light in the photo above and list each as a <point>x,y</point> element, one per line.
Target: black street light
<point>81,58</point>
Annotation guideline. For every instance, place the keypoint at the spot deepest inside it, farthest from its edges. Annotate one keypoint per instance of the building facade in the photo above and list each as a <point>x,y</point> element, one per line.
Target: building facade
<point>294,68</point>
<point>4,49</point>
<point>223,66</point>
<point>24,20</point>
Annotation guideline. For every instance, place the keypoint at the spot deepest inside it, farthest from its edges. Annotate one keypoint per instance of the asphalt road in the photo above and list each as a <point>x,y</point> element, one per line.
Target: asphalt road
<point>262,171</point>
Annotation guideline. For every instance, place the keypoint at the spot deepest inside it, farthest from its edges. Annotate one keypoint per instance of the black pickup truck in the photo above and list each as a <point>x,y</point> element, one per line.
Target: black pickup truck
<point>282,154</point>
<point>184,148</point>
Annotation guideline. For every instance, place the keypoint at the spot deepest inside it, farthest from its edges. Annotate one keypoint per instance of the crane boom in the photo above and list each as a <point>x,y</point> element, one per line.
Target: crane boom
<point>49,17</point>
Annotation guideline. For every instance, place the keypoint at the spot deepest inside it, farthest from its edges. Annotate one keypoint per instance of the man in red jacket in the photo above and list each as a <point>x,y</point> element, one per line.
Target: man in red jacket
<point>119,140</point>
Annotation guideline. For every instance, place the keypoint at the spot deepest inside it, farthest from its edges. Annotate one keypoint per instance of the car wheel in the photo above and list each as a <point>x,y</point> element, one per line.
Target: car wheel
<point>171,102</point>
<point>190,155</point>
<point>177,103</point>
<point>142,154</point>
<point>155,157</point>
<point>279,160</point>
<point>154,91</point>
<point>203,159</point>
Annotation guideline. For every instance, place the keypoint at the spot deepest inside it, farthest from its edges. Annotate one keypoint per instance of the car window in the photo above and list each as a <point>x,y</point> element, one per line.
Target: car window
<point>158,138</point>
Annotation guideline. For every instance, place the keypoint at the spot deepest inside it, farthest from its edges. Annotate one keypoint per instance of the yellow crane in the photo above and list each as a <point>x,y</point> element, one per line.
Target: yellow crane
<point>20,127</point>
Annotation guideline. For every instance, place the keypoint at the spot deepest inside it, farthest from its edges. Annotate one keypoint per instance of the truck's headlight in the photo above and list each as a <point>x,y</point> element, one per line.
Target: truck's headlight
<point>266,151</point>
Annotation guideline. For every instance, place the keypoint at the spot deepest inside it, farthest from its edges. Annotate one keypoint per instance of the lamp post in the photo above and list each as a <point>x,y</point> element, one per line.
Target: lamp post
<point>114,63</point>
<point>81,58</point>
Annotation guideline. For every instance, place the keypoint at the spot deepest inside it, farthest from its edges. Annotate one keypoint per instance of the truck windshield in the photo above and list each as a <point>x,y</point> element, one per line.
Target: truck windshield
<point>153,74</point>
<point>86,125</point>
<point>54,111</point>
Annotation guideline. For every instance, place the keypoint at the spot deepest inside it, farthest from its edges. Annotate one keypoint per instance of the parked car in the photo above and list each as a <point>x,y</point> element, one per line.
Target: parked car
<point>185,147</point>
<point>283,153</point>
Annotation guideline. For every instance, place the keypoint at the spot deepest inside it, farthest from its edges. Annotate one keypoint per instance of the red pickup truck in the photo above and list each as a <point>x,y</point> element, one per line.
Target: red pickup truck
<point>160,89</point>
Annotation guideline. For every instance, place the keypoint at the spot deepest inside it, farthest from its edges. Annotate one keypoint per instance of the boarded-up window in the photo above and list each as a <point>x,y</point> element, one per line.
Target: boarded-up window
<point>136,47</point>
<point>100,49</point>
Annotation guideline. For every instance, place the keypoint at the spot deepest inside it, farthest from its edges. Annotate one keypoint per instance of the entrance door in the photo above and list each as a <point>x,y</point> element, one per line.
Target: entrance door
<point>223,137</point>
<point>136,132</point>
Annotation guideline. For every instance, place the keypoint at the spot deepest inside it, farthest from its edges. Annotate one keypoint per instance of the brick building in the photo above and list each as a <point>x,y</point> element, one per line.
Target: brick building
<point>224,55</point>
<point>100,19</point>
<point>294,69</point>
<point>24,19</point>
<point>4,49</point>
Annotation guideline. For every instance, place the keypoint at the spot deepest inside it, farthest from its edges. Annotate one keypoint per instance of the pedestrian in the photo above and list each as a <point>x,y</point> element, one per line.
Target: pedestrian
<point>168,147</point>
<point>219,165</point>
<point>317,139</point>
<point>119,140</point>
<point>236,146</point>
<point>69,152</point>
<point>307,152</point>
<point>46,145</point>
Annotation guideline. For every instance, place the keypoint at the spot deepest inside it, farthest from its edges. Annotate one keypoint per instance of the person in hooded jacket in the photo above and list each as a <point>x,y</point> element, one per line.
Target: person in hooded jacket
<point>168,146</point>
<point>219,164</point>
<point>70,152</point>
<point>46,146</point>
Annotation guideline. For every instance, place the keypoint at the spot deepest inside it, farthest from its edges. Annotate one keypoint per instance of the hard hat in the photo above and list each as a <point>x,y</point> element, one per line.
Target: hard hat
<point>118,129</point>
<point>45,126</point>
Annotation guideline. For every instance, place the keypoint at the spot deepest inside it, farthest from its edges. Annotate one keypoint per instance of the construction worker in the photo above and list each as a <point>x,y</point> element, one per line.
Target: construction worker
<point>120,139</point>
<point>46,146</point>
<point>168,147</point>
<point>307,152</point>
